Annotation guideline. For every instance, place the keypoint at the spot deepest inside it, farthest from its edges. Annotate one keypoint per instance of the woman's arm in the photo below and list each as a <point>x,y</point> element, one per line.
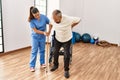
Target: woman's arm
<point>50,28</point>
<point>38,31</point>
<point>42,32</point>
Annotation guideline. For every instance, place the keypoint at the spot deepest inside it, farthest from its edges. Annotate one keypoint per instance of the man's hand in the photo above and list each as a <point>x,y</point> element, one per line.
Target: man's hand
<point>74,24</point>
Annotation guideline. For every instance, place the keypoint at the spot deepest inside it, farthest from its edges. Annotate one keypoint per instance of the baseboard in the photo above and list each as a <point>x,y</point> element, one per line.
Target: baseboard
<point>18,50</point>
<point>118,44</point>
<point>8,52</point>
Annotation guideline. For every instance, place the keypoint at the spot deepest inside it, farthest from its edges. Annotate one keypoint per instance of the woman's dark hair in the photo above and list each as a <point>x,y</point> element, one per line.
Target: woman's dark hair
<point>33,10</point>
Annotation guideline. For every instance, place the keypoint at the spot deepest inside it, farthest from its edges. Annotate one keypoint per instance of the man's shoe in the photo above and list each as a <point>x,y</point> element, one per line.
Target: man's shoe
<point>54,68</point>
<point>43,66</point>
<point>66,74</point>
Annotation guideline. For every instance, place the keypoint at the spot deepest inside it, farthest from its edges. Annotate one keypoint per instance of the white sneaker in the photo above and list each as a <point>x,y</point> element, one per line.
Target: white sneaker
<point>32,69</point>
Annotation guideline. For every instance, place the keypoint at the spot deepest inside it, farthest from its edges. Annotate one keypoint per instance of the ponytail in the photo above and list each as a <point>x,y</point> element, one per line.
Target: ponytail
<point>30,14</point>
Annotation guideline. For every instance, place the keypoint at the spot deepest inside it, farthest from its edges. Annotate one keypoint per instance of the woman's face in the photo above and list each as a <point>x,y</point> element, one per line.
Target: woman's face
<point>36,15</point>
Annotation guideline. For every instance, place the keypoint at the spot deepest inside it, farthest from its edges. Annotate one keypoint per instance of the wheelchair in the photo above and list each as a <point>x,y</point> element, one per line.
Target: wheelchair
<point>61,51</point>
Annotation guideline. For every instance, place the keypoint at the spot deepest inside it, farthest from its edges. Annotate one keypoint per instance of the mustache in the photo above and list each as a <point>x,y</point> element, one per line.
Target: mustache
<point>57,22</point>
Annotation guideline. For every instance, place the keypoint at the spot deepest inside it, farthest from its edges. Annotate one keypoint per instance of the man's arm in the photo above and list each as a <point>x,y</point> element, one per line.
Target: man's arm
<point>75,21</point>
<point>74,24</point>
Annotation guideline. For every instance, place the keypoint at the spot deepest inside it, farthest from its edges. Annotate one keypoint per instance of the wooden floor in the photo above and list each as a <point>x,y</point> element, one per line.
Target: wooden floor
<point>89,62</point>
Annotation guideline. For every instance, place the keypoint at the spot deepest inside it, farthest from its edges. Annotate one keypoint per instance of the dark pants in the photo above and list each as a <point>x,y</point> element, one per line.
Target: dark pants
<point>66,46</point>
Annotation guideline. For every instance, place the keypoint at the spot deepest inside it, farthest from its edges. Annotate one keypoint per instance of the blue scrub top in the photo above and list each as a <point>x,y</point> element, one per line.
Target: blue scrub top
<point>39,25</point>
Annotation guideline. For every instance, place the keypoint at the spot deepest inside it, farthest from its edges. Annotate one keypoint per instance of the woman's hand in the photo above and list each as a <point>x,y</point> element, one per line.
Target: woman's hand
<point>46,33</point>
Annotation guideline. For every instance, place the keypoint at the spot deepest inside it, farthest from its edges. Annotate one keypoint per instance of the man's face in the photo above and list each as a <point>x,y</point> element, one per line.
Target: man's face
<point>57,19</point>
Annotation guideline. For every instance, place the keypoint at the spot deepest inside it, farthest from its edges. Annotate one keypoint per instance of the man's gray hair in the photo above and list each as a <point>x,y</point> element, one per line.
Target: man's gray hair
<point>57,12</point>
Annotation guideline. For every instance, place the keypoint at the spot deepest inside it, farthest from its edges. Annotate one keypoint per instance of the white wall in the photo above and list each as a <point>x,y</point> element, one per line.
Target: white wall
<point>51,6</point>
<point>70,7</point>
<point>99,17</point>
<point>15,25</point>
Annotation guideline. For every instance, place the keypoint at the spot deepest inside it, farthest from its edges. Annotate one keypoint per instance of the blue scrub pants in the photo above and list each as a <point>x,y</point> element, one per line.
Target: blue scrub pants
<point>38,44</point>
